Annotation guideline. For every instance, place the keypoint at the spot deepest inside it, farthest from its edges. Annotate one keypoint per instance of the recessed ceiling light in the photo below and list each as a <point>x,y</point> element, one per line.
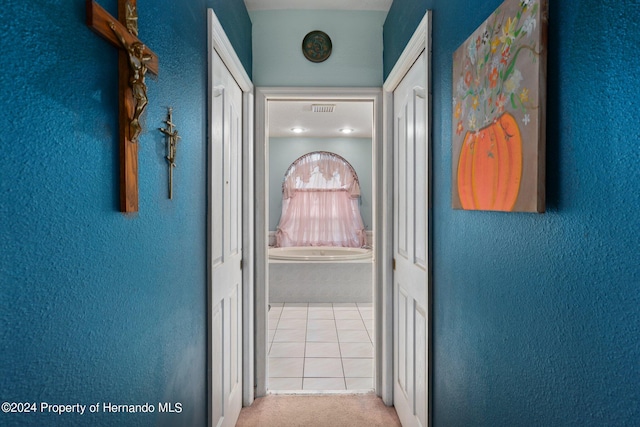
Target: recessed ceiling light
<point>297,130</point>
<point>346,130</point>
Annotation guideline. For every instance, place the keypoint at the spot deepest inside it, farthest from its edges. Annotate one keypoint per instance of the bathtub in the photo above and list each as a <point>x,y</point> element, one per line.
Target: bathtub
<point>320,274</point>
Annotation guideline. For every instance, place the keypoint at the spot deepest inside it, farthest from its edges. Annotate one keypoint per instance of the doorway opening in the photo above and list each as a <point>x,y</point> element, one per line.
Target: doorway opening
<point>317,330</point>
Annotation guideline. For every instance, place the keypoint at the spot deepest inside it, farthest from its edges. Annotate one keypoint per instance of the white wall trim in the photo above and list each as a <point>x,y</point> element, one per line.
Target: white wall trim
<point>263,96</point>
<point>217,40</point>
<point>261,209</point>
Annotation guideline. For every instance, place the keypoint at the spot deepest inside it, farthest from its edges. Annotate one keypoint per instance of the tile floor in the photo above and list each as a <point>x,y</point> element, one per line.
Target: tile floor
<point>320,346</point>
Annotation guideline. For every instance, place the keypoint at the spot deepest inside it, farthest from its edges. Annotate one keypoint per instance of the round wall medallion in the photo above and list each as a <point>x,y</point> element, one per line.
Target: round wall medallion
<point>316,46</point>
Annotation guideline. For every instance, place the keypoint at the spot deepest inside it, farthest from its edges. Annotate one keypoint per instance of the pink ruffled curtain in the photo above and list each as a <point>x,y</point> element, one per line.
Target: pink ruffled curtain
<point>320,196</point>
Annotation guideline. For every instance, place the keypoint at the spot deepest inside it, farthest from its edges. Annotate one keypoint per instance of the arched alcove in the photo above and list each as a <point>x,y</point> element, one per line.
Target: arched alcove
<point>320,203</point>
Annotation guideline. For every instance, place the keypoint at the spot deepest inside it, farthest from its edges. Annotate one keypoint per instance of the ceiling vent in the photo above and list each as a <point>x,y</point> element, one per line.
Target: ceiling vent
<point>323,108</point>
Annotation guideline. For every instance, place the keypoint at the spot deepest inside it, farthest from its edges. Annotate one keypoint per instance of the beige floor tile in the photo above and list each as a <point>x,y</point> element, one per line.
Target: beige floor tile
<point>348,335</point>
<point>321,324</point>
<point>287,349</point>
<point>322,349</point>
<point>328,384</point>
<point>358,368</point>
<point>359,383</point>
<point>289,335</point>
<point>321,335</point>
<point>321,314</point>
<point>350,324</point>
<point>285,367</point>
<point>293,314</point>
<point>292,324</point>
<point>356,349</point>
<point>320,346</point>
<point>323,367</point>
<point>347,314</point>
<point>284,384</point>
<point>366,312</point>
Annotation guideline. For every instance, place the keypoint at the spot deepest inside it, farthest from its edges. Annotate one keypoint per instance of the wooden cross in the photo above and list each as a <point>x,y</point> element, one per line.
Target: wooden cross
<point>134,59</point>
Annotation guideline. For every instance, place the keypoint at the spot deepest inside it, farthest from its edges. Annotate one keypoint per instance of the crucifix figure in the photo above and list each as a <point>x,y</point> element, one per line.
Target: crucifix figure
<point>137,69</point>
<point>134,60</point>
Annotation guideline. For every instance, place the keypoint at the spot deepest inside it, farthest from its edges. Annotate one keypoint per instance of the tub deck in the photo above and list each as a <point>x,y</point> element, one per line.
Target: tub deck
<point>321,274</point>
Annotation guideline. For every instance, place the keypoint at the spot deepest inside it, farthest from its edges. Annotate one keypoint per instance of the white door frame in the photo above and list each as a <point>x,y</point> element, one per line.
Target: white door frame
<point>382,289</point>
<point>217,40</point>
<point>419,42</point>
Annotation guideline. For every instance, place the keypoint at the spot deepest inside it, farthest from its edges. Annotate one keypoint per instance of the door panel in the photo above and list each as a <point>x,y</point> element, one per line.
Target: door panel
<point>402,208</point>
<point>421,368</point>
<point>225,217</point>
<point>411,247</point>
<point>217,401</point>
<point>420,195</point>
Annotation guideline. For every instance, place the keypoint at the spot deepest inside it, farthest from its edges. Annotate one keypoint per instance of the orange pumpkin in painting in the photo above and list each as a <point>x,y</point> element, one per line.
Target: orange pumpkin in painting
<point>490,166</point>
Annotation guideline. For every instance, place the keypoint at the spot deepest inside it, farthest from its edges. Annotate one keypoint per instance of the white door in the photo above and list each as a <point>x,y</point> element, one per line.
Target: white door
<point>411,247</point>
<point>225,244</point>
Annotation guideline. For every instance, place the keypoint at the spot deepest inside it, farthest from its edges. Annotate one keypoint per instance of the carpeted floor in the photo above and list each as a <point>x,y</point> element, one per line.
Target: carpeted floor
<point>343,410</point>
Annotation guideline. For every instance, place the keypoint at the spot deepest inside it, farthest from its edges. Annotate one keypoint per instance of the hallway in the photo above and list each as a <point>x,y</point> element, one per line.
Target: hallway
<point>530,316</point>
<point>357,410</point>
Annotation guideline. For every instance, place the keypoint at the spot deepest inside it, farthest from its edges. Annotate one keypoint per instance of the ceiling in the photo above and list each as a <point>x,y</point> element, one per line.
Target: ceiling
<point>382,5</point>
<point>286,115</point>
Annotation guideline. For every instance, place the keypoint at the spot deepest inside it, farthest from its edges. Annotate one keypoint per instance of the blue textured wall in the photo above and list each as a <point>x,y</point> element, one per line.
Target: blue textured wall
<point>97,306</point>
<point>537,317</point>
<point>403,18</point>
<point>236,23</point>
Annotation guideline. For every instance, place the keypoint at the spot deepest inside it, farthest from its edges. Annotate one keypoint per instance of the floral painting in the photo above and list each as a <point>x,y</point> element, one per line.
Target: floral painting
<point>499,94</point>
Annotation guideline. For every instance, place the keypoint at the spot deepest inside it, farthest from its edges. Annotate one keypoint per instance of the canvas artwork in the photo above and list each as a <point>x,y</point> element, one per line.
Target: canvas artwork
<point>499,94</point>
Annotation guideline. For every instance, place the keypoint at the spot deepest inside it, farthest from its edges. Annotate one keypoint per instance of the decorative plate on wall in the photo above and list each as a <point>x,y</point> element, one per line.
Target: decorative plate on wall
<point>316,46</point>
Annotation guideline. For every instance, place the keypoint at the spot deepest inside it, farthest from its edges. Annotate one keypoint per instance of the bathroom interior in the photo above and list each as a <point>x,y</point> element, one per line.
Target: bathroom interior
<point>320,193</point>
